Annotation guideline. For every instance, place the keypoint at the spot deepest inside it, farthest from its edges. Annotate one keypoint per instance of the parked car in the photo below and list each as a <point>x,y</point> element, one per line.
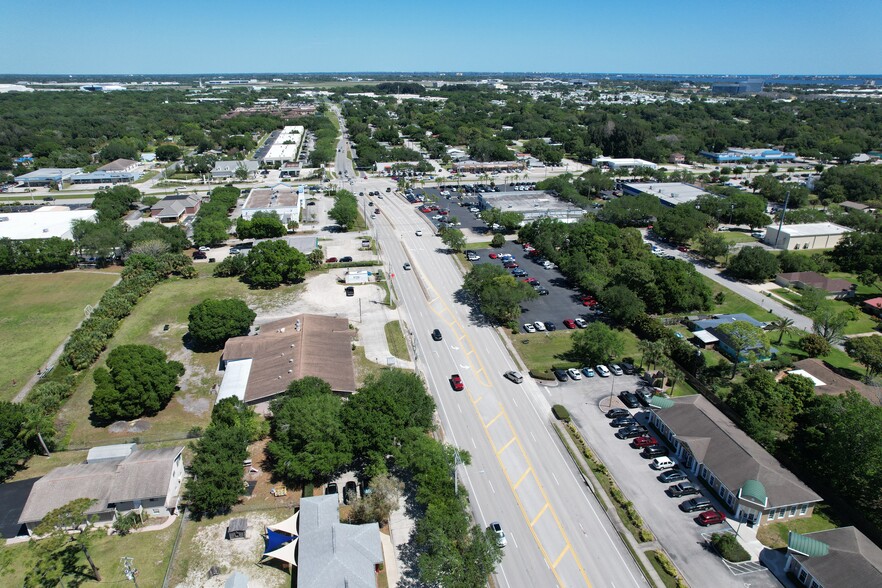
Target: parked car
<point>628,399</point>
<point>436,335</point>
<point>493,255</point>
<point>628,368</point>
<point>711,517</point>
<point>581,323</point>
<point>697,503</point>
<point>329,260</point>
<point>204,248</point>
<point>574,374</point>
<point>456,382</point>
<point>616,370</point>
<point>654,451</point>
<point>683,489</point>
<point>622,421</point>
<point>419,233</point>
<point>643,396</point>
<point>541,291</point>
<point>569,323</point>
<point>331,488</point>
<point>539,326</point>
<point>550,326</point>
<point>514,376</point>
<point>631,431</point>
<point>645,441</point>
<point>501,541</point>
<point>561,375</point>
<point>350,290</point>
<point>615,413</point>
<point>200,255</point>
<point>662,463</point>
<point>350,492</point>
<point>602,371</point>
<point>517,272</point>
<point>529,327</point>
<point>588,372</point>
<point>672,475</point>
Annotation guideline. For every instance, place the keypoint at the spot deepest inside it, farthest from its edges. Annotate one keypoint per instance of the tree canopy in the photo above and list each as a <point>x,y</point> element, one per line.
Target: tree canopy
<point>271,263</point>
<point>213,321</point>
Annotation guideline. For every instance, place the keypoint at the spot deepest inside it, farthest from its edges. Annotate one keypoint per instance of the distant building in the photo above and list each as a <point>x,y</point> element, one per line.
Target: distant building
<point>43,223</point>
<point>723,343</point>
<point>285,146</point>
<point>622,163</point>
<point>172,209</point>
<point>290,170</point>
<point>873,306</point>
<point>668,193</point>
<point>102,88</point>
<point>48,175</point>
<point>856,206</point>
<point>737,155</point>
<point>226,169</point>
<point>105,177</point>
<point>119,165</point>
<point>676,158</point>
<point>805,236</point>
<point>741,87</point>
<point>533,205</point>
<point>286,201</point>
<point>833,287</point>
<point>480,167</point>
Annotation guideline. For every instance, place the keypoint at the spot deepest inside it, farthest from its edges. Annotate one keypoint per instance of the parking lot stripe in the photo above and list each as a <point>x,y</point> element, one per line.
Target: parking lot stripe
<point>539,516</point>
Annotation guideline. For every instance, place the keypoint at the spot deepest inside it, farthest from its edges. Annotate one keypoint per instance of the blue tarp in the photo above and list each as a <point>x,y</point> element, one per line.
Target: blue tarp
<point>274,540</point>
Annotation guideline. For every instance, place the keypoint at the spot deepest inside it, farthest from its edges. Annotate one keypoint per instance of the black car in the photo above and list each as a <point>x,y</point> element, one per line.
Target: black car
<point>624,421</point>
<point>683,489</point>
<point>614,413</point>
<point>346,259</point>
<point>200,255</point>
<point>561,375</point>
<point>628,399</point>
<point>695,504</point>
<point>331,488</point>
<point>541,291</point>
<point>350,492</point>
<point>628,368</point>
<point>436,335</point>
<point>631,431</point>
<point>654,451</point>
<point>644,396</point>
<point>550,326</point>
<point>672,475</point>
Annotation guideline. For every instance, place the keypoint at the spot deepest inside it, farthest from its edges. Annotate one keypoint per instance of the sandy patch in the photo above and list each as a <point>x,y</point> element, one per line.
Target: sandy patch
<point>193,405</point>
<point>128,427</point>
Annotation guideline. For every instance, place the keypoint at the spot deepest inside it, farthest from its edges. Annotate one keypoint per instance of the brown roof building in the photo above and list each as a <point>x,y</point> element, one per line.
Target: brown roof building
<point>814,280</point>
<point>263,365</point>
<point>829,382</point>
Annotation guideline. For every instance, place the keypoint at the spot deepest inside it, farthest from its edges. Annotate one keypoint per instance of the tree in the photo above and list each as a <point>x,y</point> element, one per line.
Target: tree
<point>497,241</point>
<point>829,323</point>
<point>168,152</point>
<point>596,344</point>
<point>650,351</point>
<point>453,238</point>
<point>138,381</point>
<point>815,345</point>
<point>682,223</point>
<point>499,295</point>
<point>36,423</point>
<point>867,351</point>
<point>741,337</point>
<point>72,530</point>
<point>386,491</point>
<point>210,231</point>
<point>869,279</point>
<point>13,449</point>
<point>271,263</point>
<point>213,321</point>
<point>242,173</point>
<point>782,326</point>
<point>811,298</point>
<point>753,264</point>
<point>345,209</point>
<point>114,203</point>
<point>622,304</point>
<point>712,245</point>
<point>263,225</point>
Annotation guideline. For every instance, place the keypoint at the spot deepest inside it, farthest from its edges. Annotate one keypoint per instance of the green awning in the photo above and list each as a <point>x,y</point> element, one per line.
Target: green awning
<point>806,545</point>
<point>661,402</point>
<point>754,489</point>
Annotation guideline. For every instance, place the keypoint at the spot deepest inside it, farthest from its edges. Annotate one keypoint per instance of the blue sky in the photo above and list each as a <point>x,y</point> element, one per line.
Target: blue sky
<point>634,36</point>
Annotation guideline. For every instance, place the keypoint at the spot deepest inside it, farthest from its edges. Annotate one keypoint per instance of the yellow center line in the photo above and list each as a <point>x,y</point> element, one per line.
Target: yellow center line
<point>538,516</point>
<point>522,478</point>
<point>476,400</point>
<point>506,446</point>
<point>493,420</point>
<point>562,553</point>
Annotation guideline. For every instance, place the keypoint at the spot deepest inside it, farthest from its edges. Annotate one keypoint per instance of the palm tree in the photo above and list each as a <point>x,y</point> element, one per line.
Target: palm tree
<point>666,365</point>
<point>651,352</point>
<point>784,326</point>
<point>35,424</point>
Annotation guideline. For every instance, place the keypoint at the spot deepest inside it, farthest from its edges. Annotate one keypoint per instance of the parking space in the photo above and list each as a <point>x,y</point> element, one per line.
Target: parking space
<point>680,532</point>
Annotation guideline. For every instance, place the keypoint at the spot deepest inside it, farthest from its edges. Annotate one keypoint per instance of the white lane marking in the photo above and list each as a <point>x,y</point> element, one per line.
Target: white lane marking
<point>459,406</point>
<point>547,391</point>
<point>473,443</point>
<point>489,483</point>
<point>555,479</point>
<point>533,436</point>
<point>515,401</point>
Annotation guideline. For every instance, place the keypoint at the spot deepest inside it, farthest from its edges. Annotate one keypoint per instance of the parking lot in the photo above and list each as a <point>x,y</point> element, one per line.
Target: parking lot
<point>684,539</point>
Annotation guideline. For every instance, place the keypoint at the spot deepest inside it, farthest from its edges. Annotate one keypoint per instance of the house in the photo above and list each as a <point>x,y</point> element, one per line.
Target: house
<point>259,367</point>
<point>226,169</point>
<point>835,558</point>
<point>873,306</point>
<point>13,496</point>
<point>119,165</point>
<point>834,287</point>
<point>331,553</point>
<point>848,205</point>
<point>677,158</point>
<point>172,209</point>
<point>710,326</point>
<point>752,483</point>
<point>805,236</point>
<point>827,381</point>
<point>286,201</point>
<point>147,480</point>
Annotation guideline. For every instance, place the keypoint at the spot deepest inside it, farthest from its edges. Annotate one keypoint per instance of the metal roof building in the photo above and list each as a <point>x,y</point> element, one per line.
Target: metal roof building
<point>47,175</point>
<point>668,193</point>
<point>43,223</point>
<point>805,236</point>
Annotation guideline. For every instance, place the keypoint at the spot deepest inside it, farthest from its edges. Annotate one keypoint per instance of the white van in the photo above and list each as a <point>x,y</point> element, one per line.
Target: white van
<point>662,463</point>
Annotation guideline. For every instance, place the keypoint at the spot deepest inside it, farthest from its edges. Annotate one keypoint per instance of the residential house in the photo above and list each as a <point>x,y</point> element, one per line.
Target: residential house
<point>873,306</point>
<point>172,209</point>
<point>835,558</point>
<point>677,158</point>
<point>711,326</point>
<point>835,288</point>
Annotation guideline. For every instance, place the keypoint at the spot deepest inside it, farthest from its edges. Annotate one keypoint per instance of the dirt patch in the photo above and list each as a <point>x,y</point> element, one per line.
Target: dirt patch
<point>128,427</point>
<point>193,405</point>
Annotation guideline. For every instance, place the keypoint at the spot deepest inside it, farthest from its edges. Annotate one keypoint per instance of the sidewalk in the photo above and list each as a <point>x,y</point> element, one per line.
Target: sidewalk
<point>400,529</point>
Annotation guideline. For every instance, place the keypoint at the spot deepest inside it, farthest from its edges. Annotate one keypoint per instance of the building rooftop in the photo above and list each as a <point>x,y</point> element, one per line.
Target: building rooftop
<point>230,166</point>
<point>278,196</point>
<point>811,229</point>
<point>118,165</point>
<point>727,318</point>
<point>670,193</point>
<point>851,559</point>
<point>173,206</point>
<point>816,280</point>
<point>832,382</point>
<point>43,223</point>
<point>48,173</point>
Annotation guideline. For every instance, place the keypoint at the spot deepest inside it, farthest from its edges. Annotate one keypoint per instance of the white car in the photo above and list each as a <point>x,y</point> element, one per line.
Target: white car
<point>616,370</point>
<point>473,209</point>
<point>581,323</point>
<point>204,248</point>
<point>539,326</point>
<point>529,327</point>
<point>437,217</point>
<point>602,371</point>
<point>514,376</point>
<point>574,374</point>
<point>501,541</point>
<point>419,233</point>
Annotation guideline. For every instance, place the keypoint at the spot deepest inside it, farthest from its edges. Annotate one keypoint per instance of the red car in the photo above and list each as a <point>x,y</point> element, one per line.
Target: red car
<point>510,264</point>
<point>331,260</point>
<point>645,441</point>
<point>683,248</point>
<point>589,301</point>
<point>425,209</point>
<point>531,281</point>
<point>711,517</point>
<point>456,382</point>
<point>493,255</point>
<point>569,323</point>
<point>443,212</point>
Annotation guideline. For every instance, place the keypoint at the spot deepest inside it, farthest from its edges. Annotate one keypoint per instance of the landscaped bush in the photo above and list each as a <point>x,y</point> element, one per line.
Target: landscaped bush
<point>560,412</point>
<point>729,548</point>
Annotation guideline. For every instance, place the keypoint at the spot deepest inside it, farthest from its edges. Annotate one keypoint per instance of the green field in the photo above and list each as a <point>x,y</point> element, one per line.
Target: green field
<point>395,340</point>
<point>39,312</point>
<point>168,304</point>
<point>775,535</point>
<point>543,351</point>
<point>733,237</point>
<point>864,323</point>
<point>735,303</point>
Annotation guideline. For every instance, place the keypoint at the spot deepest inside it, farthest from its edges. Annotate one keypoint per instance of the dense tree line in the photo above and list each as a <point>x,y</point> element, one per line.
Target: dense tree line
<point>263,225</point>
<point>212,223</point>
<point>36,255</point>
<point>497,293</point>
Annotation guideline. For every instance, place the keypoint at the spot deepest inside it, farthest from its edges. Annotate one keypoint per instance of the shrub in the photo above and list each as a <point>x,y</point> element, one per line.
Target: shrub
<point>560,413</point>
<point>729,548</point>
<point>497,241</point>
<point>814,345</point>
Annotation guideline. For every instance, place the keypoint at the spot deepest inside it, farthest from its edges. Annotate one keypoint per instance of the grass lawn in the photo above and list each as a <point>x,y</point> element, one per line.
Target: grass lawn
<point>735,303</point>
<point>146,176</point>
<point>837,358</point>
<point>167,304</point>
<point>737,237</point>
<point>862,291</point>
<point>151,552</point>
<point>395,339</point>
<point>543,351</point>
<point>39,312</point>
<point>668,580</point>
<point>864,323</point>
<point>774,535</point>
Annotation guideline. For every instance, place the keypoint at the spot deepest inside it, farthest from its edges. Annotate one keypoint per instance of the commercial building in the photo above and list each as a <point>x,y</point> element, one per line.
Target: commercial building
<point>172,209</point>
<point>43,223</point>
<point>119,165</point>
<point>285,201</point>
<point>290,170</point>
<point>668,193</point>
<point>737,155</point>
<point>749,481</point>
<point>806,236</point>
<point>533,205</point>
<point>835,558</point>
<point>741,87</point>
<point>226,169</point>
<point>482,167</point>
<point>48,175</point>
<point>259,367</point>
<point>143,481</point>
<point>285,146</point>
<point>105,177</point>
<point>622,163</point>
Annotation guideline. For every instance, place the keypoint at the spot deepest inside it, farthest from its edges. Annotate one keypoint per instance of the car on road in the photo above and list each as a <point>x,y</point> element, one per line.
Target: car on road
<point>631,432</point>
<point>436,335</point>
<point>346,259</point>
<point>672,475</point>
<point>574,374</point>
<point>628,399</point>
<point>662,463</point>
<point>654,451</point>
<point>541,291</point>
<point>588,372</point>
<point>581,323</point>
<point>695,504</point>
<point>419,233</point>
<point>539,326</point>
<point>622,421</point>
<point>683,489</point>
<point>615,413</point>
<point>602,371</point>
<point>644,441</point>
<point>514,376</point>
<point>616,370</point>
<point>550,326</point>
<point>529,327</point>
<point>569,323</point>
<point>561,375</point>
<point>407,265</point>
<point>200,255</point>
<point>501,541</point>
<point>711,517</point>
<point>331,260</point>
<point>456,382</point>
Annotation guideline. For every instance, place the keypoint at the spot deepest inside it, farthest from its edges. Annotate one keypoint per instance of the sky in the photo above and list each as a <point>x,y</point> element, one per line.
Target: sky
<point>587,36</point>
